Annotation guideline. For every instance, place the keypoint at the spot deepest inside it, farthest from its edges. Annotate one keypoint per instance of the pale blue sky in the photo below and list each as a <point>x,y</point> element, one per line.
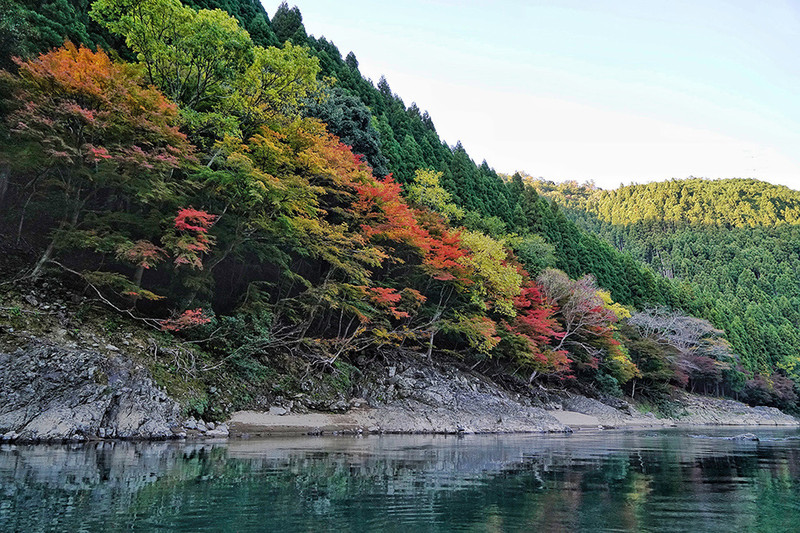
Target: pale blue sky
<point>615,91</point>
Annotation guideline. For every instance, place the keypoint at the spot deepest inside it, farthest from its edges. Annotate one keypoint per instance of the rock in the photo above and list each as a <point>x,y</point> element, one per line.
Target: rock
<point>220,431</point>
<point>340,406</point>
<point>718,411</point>
<point>276,410</point>
<point>190,424</point>
<point>54,393</point>
<point>210,425</point>
<point>741,437</point>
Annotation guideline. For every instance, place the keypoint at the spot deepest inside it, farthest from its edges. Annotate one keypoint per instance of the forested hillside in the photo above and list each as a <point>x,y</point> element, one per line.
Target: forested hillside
<point>226,176</point>
<point>735,241</point>
<point>730,203</point>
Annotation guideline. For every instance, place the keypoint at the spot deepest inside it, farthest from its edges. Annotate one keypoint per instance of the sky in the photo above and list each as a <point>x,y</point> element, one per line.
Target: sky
<point>610,91</point>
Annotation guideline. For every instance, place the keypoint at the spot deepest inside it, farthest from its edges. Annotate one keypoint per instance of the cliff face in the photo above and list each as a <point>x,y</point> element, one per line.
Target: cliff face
<point>51,393</point>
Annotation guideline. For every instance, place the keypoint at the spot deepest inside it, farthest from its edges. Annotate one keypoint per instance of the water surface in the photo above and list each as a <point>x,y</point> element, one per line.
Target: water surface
<point>663,480</point>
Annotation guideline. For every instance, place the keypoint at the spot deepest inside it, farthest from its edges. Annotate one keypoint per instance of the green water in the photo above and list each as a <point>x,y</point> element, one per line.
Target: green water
<point>598,481</point>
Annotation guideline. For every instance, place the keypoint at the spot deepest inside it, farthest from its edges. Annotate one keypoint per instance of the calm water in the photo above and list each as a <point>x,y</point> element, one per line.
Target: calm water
<point>601,481</point>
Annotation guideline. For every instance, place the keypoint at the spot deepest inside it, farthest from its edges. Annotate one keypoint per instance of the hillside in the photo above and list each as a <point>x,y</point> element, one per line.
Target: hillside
<point>728,203</point>
<point>735,241</point>
<point>224,176</point>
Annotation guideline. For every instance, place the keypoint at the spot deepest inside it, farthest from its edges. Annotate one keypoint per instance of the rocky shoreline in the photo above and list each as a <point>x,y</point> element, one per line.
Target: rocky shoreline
<point>57,393</point>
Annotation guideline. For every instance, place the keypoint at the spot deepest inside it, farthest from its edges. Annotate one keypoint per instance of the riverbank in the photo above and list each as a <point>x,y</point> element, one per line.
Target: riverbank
<point>72,373</point>
<point>57,393</point>
<point>589,414</point>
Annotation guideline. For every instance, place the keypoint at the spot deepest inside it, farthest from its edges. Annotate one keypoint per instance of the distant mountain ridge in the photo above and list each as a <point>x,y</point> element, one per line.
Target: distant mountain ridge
<point>735,203</point>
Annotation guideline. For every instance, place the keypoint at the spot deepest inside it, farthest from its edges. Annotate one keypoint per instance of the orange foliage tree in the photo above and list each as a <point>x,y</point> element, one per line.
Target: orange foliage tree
<point>98,134</point>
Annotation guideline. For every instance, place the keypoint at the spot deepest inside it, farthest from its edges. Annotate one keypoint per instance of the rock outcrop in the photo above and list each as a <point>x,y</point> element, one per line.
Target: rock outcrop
<point>413,398</point>
<point>53,393</point>
<point>693,410</point>
<point>705,410</point>
<point>441,399</point>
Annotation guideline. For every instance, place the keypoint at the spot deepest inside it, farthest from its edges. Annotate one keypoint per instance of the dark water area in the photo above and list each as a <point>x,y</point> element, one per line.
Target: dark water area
<point>666,480</point>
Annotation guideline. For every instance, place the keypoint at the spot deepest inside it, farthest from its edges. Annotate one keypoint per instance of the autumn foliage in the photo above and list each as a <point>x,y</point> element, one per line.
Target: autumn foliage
<point>83,109</point>
<point>191,318</point>
<point>223,204</point>
<point>190,239</point>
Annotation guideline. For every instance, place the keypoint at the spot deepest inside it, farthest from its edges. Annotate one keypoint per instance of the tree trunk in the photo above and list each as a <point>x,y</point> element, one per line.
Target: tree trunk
<point>46,256</point>
<point>137,276</point>
<point>48,253</point>
<point>3,183</point>
<point>430,345</point>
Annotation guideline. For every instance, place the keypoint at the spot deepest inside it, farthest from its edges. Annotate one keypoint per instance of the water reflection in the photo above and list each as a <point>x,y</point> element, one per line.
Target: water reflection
<point>610,481</point>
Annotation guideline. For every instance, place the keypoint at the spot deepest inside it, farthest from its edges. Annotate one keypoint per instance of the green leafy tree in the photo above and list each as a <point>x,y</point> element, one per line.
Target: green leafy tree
<point>191,55</point>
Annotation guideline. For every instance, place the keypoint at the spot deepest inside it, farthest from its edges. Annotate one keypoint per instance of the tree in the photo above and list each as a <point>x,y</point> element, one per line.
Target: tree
<point>586,321</point>
<point>99,132</point>
<point>426,190</point>
<point>535,253</point>
<point>349,119</point>
<point>533,332</point>
<point>191,55</point>
<point>28,28</point>
<point>351,61</point>
<point>288,24</point>
<point>275,85</point>
<point>497,282</point>
<point>704,356</point>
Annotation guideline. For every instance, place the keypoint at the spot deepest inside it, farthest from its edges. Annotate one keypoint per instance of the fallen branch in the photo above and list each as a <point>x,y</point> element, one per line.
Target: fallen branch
<point>148,321</point>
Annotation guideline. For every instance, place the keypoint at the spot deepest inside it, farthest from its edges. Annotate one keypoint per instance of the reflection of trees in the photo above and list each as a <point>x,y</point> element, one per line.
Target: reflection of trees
<point>608,481</point>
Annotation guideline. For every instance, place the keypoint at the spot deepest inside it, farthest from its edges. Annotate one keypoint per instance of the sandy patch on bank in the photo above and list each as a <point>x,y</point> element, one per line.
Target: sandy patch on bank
<point>411,417</point>
<point>366,420</point>
<point>573,419</point>
<point>264,423</point>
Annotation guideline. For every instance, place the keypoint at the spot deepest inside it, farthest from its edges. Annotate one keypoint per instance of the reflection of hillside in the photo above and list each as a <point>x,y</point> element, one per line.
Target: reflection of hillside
<point>585,481</point>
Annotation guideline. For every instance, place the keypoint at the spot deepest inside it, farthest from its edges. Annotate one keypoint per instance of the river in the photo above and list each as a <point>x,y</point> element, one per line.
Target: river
<point>664,480</point>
